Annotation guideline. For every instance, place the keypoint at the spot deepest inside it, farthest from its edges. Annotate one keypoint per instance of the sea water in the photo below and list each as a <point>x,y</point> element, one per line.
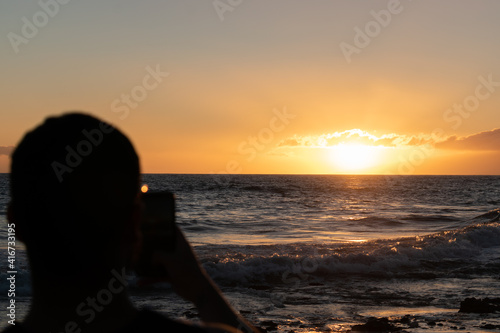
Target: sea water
<point>323,253</point>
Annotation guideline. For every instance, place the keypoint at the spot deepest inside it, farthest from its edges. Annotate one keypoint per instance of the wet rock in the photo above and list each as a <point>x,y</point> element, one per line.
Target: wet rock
<point>413,325</point>
<point>316,284</point>
<point>269,325</point>
<point>190,314</point>
<point>375,325</point>
<point>490,327</point>
<point>259,287</point>
<point>474,305</point>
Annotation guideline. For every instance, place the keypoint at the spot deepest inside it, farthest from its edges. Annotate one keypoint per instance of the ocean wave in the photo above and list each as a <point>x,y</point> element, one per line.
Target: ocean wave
<point>429,218</point>
<point>265,189</point>
<point>468,252</point>
<point>375,221</point>
<point>492,215</point>
<point>453,253</point>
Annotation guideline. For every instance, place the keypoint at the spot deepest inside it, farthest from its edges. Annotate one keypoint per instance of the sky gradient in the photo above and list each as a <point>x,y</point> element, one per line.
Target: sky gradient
<point>377,87</point>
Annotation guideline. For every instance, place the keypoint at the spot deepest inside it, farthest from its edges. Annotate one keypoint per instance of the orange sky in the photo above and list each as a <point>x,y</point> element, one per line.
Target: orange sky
<point>385,87</point>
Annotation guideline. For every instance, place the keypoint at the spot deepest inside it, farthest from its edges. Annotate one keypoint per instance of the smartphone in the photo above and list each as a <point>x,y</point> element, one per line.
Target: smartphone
<point>158,231</point>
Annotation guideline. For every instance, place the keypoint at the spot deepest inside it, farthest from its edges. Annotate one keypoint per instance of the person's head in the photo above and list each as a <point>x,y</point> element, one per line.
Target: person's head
<point>74,187</point>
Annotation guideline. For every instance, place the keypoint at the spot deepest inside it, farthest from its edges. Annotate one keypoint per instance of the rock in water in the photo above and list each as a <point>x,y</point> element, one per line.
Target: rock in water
<point>474,305</point>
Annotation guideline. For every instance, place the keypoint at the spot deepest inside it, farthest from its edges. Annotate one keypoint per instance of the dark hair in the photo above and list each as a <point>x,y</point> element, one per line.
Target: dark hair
<point>73,183</point>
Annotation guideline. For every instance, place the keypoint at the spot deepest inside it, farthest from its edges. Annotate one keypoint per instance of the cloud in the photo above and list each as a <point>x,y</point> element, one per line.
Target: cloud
<point>6,150</point>
<point>356,136</point>
<point>483,141</point>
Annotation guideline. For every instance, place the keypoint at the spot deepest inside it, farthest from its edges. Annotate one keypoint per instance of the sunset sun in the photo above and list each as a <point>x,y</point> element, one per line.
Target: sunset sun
<point>353,157</point>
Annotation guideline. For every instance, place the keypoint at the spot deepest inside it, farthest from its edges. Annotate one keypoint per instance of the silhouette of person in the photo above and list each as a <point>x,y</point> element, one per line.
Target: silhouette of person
<point>75,203</point>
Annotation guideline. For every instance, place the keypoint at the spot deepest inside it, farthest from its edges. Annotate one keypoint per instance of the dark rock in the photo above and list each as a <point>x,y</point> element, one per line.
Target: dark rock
<point>431,323</point>
<point>490,327</point>
<point>269,324</point>
<point>376,325</point>
<point>190,314</point>
<point>413,325</point>
<point>316,284</point>
<point>474,305</point>
<point>259,287</point>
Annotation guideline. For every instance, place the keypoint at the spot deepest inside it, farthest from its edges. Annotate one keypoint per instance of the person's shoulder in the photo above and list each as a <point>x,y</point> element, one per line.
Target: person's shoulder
<point>154,322</point>
<point>14,329</point>
<point>151,321</point>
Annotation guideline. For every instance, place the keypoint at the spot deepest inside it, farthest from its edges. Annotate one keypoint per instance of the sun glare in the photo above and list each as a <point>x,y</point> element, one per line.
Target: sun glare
<point>355,157</point>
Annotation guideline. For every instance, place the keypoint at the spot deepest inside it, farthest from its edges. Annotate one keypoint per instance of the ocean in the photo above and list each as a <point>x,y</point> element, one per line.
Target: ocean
<point>322,253</point>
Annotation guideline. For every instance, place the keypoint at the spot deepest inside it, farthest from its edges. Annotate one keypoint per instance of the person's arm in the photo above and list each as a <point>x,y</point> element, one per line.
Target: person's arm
<point>190,281</point>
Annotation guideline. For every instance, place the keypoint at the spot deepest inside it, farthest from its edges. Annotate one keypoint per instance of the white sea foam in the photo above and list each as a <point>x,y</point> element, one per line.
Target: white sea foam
<point>452,253</point>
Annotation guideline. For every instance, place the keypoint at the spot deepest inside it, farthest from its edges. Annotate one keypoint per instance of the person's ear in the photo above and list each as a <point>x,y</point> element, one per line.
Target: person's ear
<point>12,221</point>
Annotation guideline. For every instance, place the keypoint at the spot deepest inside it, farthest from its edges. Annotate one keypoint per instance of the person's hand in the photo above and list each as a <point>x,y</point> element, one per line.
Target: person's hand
<point>184,270</point>
<point>190,281</point>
